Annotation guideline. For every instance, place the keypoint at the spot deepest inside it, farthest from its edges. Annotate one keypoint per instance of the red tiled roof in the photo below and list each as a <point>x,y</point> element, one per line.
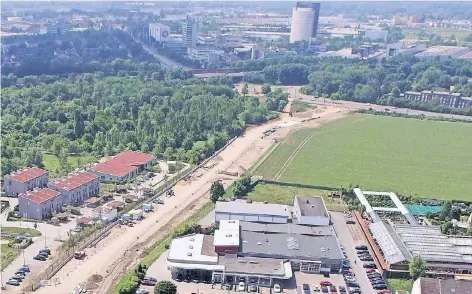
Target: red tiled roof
<point>83,220</point>
<point>41,195</point>
<point>123,163</point>
<point>75,180</point>
<point>27,174</point>
<point>115,204</point>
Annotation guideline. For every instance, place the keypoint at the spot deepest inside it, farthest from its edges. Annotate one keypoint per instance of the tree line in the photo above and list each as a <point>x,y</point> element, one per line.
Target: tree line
<point>177,119</point>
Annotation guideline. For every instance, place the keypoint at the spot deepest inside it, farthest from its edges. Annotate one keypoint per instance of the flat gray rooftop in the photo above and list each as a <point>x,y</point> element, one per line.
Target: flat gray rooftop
<point>291,246</point>
<point>238,207</point>
<point>252,265</point>
<point>311,206</point>
<point>287,228</point>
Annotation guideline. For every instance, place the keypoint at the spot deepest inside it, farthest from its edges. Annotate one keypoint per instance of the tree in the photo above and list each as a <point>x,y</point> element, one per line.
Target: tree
<point>216,191</point>
<point>417,267</point>
<point>245,90</point>
<point>165,287</point>
<point>446,211</point>
<point>242,186</point>
<point>266,88</point>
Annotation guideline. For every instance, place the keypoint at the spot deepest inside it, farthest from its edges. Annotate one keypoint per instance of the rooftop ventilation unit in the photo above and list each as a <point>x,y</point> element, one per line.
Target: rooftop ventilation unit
<point>189,253</point>
<point>190,246</point>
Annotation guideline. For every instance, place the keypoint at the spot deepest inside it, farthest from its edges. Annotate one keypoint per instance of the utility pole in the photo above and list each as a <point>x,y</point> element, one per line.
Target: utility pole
<point>45,234</point>
<point>24,260</point>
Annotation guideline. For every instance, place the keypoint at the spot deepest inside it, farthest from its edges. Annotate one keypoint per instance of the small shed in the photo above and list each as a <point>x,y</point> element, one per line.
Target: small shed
<point>84,222</point>
<point>118,205</point>
<point>93,202</point>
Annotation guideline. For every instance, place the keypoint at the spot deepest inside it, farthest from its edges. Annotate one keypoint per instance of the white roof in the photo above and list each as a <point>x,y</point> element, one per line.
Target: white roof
<point>229,225</point>
<point>189,249</point>
<point>237,207</point>
<point>226,238</point>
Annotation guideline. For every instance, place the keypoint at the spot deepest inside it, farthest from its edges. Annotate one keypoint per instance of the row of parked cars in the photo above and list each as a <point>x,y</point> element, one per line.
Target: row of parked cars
<point>19,275</point>
<point>375,278</point>
<point>324,287</point>
<point>42,255</point>
<point>349,275</point>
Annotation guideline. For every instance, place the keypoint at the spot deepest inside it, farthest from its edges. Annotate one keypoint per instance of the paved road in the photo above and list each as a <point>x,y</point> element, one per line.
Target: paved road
<point>165,61</point>
<point>349,241</point>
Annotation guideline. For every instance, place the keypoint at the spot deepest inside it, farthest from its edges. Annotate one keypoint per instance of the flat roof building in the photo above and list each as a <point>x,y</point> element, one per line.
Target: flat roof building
<point>311,210</point>
<point>20,181</point>
<point>39,203</point>
<point>442,52</point>
<point>255,212</point>
<point>123,166</point>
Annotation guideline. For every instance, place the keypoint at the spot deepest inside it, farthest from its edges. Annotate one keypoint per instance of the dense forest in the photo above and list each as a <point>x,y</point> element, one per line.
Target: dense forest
<point>184,119</point>
<point>368,80</point>
<point>110,51</point>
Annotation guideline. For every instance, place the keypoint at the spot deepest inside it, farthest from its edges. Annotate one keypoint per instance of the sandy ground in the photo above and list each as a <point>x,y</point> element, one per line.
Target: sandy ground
<point>121,250</point>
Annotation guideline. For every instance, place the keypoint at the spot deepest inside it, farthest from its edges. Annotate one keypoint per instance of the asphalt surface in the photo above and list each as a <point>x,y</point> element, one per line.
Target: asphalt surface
<point>165,61</point>
<point>348,239</point>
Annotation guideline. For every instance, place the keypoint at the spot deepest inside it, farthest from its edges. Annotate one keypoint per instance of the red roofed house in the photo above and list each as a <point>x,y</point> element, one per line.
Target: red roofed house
<point>39,203</point>
<point>25,179</point>
<point>123,166</point>
<point>77,187</point>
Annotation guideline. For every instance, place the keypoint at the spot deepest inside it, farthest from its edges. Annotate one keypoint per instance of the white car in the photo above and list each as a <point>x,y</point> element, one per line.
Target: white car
<point>351,279</point>
<point>277,288</point>
<point>316,288</point>
<point>142,291</point>
<point>241,287</point>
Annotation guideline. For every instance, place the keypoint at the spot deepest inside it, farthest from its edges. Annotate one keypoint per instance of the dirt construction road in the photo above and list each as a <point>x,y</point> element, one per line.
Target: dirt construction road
<point>121,249</point>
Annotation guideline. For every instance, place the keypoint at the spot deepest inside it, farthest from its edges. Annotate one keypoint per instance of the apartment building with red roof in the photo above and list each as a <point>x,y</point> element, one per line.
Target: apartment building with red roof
<point>123,166</point>
<point>39,203</point>
<point>23,180</point>
<point>77,187</point>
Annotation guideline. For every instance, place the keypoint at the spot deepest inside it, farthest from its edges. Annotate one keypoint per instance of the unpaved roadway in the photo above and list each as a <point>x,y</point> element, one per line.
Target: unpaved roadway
<point>122,248</point>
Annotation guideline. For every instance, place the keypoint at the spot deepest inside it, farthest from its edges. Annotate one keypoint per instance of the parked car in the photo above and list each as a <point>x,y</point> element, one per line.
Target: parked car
<point>142,291</point>
<point>207,279</point>
<point>196,279</point>
<point>342,289</point>
<point>366,258</point>
<point>333,289</point>
<point>253,288</point>
<point>241,287</point>
<point>380,287</point>
<point>370,271</point>
<point>17,277</point>
<point>179,278</point>
<point>25,269</point>
<point>150,279</point>
<point>187,278</point>
<point>316,288</point>
<point>350,222</point>
<point>324,289</point>
<point>21,274</point>
<point>326,283</point>
<point>46,250</point>
<point>229,287</point>
<point>306,287</point>
<point>277,288</point>
<point>351,279</point>
<point>369,265</point>
<point>13,282</point>
<point>43,255</point>
<point>361,247</point>
<point>39,257</point>
<point>353,284</point>
<point>148,283</point>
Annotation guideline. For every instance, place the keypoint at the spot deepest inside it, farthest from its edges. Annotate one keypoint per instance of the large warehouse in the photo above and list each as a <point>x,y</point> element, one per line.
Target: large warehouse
<point>261,253</point>
<point>254,212</point>
<point>309,210</point>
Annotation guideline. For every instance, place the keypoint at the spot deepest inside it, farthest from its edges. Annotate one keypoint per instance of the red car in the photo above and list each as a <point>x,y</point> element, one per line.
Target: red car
<point>325,283</point>
<point>370,271</point>
<point>383,292</point>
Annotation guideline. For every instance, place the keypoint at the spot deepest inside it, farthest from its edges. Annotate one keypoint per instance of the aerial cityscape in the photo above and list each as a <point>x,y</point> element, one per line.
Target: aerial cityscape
<point>190,147</point>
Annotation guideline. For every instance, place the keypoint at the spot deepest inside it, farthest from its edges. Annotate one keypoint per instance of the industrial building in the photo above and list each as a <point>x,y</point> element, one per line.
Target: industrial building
<point>123,166</point>
<point>309,210</point>
<point>39,203</point>
<point>20,181</point>
<point>77,187</point>
<point>246,250</point>
<point>449,99</point>
<point>255,212</point>
<point>441,286</point>
<point>305,16</point>
<point>189,32</point>
<point>442,52</point>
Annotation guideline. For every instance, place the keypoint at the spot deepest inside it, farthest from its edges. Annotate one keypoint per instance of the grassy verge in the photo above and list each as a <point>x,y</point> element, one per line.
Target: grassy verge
<point>300,106</point>
<point>8,255</point>
<point>51,163</point>
<point>16,230</point>
<point>160,246</point>
<point>400,284</point>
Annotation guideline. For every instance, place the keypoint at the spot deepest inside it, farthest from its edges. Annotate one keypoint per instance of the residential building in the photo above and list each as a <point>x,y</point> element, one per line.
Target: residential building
<point>104,213</point>
<point>449,99</point>
<point>77,187</point>
<point>255,212</point>
<point>123,166</point>
<point>262,257</point>
<point>39,203</point>
<point>20,181</point>
<point>159,32</point>
<point>189,32</point>
<point>310,210</point>
<point>305,16</point>
<point>441,286</point>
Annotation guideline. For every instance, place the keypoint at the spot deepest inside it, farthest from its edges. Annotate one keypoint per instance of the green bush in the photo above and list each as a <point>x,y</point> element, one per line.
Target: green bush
<point>129,284</point>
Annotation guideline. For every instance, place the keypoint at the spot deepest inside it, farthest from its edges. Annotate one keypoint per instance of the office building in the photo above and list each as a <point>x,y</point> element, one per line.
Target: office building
<point>20,181</point>
<point>189,32</point>
<point>305,17</point>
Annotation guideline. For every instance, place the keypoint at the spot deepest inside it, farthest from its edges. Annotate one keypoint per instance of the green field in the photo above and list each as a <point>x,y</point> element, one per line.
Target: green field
<point>51,162</point>
<point>8,255</point>
<point>400,284</point>
<point>407,156</point>
<point>16,230</point>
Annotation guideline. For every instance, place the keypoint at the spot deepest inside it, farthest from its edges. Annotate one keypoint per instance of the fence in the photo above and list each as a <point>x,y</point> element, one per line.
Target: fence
<point>68,253</point>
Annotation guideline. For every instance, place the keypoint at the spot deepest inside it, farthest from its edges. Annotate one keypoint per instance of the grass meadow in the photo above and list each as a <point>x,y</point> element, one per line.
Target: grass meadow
<point>51,163</point>
<point>408,156</point>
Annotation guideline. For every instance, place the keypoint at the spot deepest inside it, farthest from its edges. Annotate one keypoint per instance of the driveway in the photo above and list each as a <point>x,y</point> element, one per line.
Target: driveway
<point>349,236</point>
